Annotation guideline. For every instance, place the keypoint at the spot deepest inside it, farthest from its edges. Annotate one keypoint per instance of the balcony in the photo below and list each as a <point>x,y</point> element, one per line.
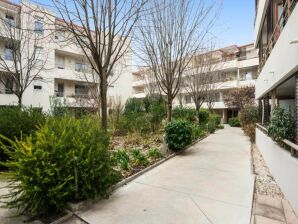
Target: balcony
<point>288,8</point>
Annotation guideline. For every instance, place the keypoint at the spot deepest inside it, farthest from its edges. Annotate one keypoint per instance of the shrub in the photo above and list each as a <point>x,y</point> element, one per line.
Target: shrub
<point>133,105</point>
<point>123,159</point>
<point>16,122</point>
<point>234,122</point>
<point>178,134</point>
<point>249,115</point>
<point>184,113</point>
<point>197,132</point>
<point>64,161</point>
<point>220,127</point>
<point>211,127</point>
<point>250,131</point>
<point>281,125</point>
<point>139,158</point>
<point>136,122</point>
<point>155,153</point>
<point>215,118</point>
<point>203,116</point>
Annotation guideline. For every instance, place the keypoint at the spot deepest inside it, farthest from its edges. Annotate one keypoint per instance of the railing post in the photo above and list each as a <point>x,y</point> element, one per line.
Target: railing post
<point>266,109</point>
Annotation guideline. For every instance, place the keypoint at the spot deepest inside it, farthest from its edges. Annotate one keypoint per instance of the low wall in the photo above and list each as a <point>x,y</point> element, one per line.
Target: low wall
<point>282,165</point>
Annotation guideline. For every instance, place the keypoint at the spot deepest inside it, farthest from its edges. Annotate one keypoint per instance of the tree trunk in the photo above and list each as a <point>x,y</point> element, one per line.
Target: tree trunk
<point>169,109</point>
<point>198,107</point>
<point>20,100</point>
<point>104,105</point>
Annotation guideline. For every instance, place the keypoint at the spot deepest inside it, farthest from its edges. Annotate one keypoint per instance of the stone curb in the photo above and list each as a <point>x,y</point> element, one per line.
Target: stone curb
<point>81,205</point>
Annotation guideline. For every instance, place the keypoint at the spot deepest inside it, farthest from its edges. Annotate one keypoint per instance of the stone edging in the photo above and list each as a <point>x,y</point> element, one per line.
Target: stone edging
<point>76,207</point>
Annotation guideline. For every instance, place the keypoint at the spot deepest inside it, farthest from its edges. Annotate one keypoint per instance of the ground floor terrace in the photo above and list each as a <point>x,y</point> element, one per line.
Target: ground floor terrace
<point>281,157</point>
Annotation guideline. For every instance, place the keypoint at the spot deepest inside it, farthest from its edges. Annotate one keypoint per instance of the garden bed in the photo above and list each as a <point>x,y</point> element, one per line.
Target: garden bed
<point>265,183</point>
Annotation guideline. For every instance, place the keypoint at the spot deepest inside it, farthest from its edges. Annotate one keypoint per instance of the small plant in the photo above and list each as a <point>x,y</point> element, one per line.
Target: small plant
<point>155,153</point>
<point>235,122</point>
<point>178,134</point>
<point>197,132</point>
<point>215,118</point>
<point>281,125</point>
<point>185,113</point>
<point>123,159</point>
<point>66,160</point>
<point>220,127</point>
<point>204,116</point>
<point>138,158</point>
<point>249,115</point>
<point>134,105</point>
<point>211,127</point>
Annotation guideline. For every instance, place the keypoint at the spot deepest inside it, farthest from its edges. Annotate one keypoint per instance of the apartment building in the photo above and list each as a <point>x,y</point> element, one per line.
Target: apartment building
<point>234,66</point>
<point>66,75</point>
<point>276,33</point>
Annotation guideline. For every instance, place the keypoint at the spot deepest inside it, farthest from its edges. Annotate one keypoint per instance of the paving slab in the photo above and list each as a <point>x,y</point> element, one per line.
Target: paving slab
<point>209,183</point>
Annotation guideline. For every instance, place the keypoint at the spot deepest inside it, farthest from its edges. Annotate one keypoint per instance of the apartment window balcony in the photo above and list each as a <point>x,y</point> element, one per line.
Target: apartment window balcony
<point>275,20</point>
<point>8,54</point>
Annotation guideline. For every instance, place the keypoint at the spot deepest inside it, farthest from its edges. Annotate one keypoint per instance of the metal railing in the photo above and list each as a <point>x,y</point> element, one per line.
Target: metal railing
<point>288,9</point>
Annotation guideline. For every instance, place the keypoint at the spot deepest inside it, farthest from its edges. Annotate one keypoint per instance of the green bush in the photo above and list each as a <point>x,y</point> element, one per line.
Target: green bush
<point>16,122</point>
<point>215,118</point>
<point>197,132</point>
<point>211,127</point>
<point>134,105</point>
<point>139,158</point>
<point>155,153</point>
<point>184,113</point>
<point>235,122</point>
<point>220,127</point>
<point>65,160</point>
<point>136,122</point>
<point>122,158</point>
<point>204,116</point>
<point>281,125</point>
<point>249,115</point>
<point>178,134</point>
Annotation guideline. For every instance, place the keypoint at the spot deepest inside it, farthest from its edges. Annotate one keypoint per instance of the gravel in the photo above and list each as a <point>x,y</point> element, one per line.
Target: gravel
<point>265,183</point>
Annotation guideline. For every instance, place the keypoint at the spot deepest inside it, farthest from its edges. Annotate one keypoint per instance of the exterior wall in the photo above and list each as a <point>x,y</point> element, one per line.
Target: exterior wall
<point>237,68</point>
<point>282,166</point>
<point>260,13</point>
<point>283,60</point>
<point>52,48</point>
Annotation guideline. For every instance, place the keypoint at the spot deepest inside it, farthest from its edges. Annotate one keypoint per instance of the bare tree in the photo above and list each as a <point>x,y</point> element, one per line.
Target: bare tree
<point>201,77</point>
<point>24,57</point>
<point>240,97</point>
<point>103,30</point>
<point>170,35</point>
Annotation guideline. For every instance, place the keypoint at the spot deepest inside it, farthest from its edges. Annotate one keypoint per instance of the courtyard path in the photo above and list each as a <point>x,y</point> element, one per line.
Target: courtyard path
<point>210,183</point>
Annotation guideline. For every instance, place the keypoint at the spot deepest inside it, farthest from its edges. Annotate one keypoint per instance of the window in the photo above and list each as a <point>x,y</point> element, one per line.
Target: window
<point>60,92</point>
<point>60,62</point>
<point>38,55</point>
<point>248,76</point>
<point>80,66</point>
<point>8,85</point>
<point>39,27</point>
<point>81,90</point>
<point>8,53</point>
<point>37,85</point>
<point>187,99</point>
<point>9,20</point>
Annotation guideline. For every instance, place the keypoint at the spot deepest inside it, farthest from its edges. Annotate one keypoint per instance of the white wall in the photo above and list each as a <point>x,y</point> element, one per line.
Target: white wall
<point>283,60</point>
<point>282,166</point>
<point>259,17</point>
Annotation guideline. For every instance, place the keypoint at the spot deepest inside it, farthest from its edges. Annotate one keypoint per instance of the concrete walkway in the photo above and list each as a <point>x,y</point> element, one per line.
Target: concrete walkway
<point>207,184</point>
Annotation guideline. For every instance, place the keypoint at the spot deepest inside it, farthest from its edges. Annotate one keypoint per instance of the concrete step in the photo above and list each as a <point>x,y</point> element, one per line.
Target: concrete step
<point>268,210</point>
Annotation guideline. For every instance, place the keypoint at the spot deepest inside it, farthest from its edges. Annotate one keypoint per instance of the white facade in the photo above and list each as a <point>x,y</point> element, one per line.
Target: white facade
<point>66,75</point>
<point>241,65</point>
<point>276,32</point>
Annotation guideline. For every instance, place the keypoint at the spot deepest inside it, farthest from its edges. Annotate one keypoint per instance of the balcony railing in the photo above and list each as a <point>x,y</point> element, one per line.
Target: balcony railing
<point>288,9</point>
